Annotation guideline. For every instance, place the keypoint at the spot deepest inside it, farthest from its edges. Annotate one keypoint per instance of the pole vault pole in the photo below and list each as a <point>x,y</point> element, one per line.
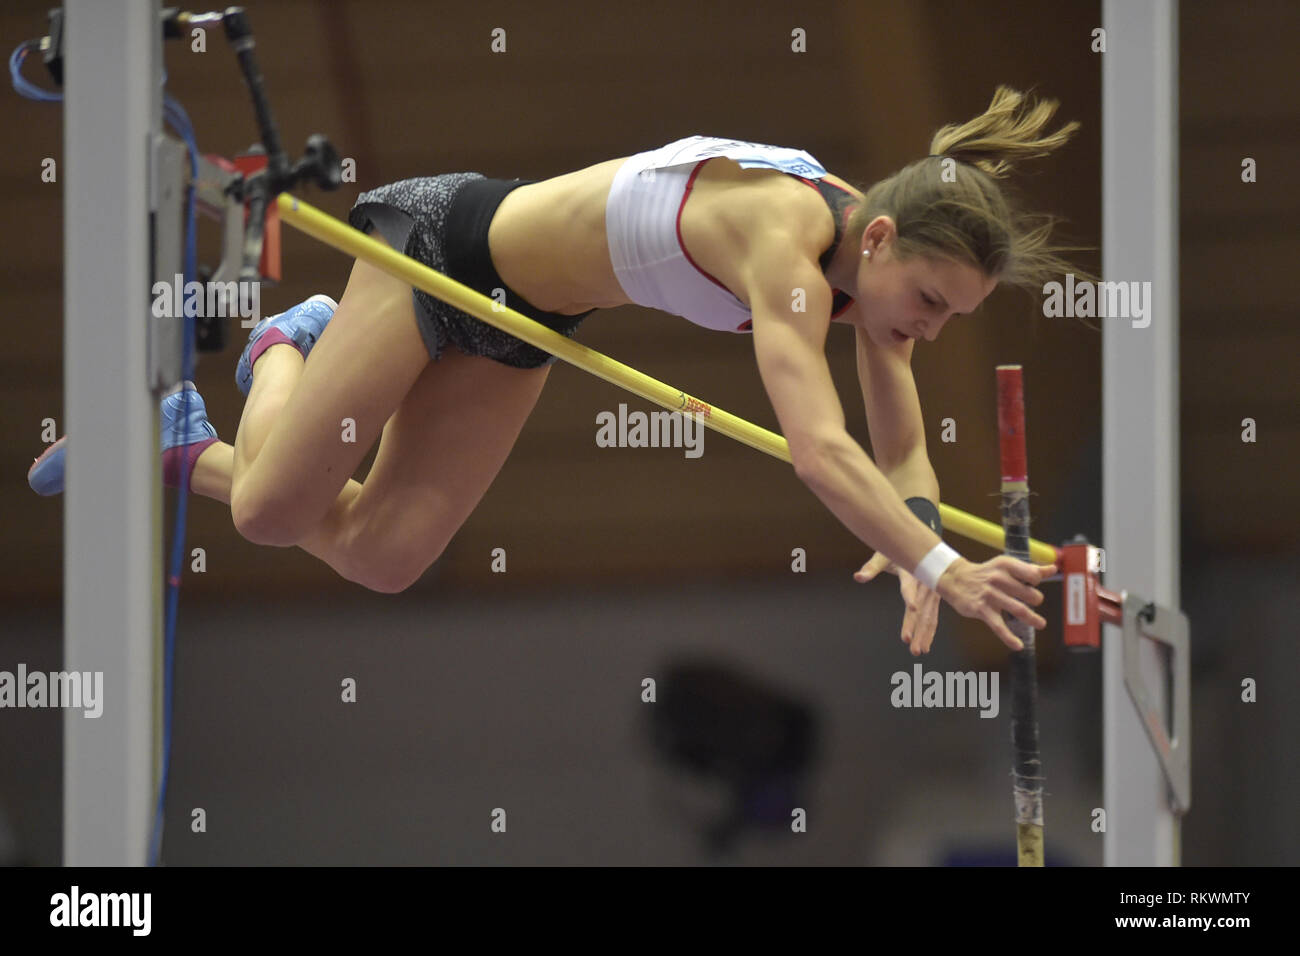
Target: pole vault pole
<point>1027,766</point>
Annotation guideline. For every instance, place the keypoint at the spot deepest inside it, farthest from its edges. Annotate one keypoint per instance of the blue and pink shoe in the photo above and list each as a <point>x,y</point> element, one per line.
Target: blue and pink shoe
<point>300,327</point>
<point>46,474</point>
<point>184,438</point>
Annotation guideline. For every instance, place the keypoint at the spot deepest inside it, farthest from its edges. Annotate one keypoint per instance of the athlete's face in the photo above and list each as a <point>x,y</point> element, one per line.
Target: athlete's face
<point>915,297</point>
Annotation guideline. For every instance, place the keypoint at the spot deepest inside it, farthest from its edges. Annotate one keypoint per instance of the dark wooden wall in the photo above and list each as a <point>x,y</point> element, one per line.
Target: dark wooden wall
<point>1240,309</point>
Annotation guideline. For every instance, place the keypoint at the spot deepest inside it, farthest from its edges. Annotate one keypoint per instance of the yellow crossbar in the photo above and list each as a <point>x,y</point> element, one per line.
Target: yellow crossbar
<point>343,237</point>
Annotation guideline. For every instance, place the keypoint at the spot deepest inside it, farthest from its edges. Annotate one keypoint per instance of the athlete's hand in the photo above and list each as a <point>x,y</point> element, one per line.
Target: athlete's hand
<point>985,590</point>
<point>922,615</point>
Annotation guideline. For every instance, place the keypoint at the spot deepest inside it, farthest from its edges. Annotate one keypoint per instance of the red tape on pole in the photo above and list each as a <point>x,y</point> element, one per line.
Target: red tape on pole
<point>1011,423</point>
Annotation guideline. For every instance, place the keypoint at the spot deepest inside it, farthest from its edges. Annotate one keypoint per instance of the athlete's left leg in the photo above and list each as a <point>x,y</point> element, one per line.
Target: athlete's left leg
<point>438,455</point>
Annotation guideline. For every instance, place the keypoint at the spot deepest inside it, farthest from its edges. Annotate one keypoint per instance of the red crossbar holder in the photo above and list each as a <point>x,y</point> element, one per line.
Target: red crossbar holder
<point>1086,603</point>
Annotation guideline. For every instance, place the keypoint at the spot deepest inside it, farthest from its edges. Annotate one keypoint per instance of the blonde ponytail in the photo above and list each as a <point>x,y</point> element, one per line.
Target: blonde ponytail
<point>962,214</point>
<point>1009,131</point>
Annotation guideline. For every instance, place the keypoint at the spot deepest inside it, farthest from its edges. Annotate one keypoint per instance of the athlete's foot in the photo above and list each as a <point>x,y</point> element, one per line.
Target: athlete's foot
<point>186,434</point>
<point>300,327</point>
<point>46,474</point>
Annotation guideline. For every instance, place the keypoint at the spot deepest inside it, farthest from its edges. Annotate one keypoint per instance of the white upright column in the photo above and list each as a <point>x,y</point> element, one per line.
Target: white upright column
<point>112,504</point>
<point>1140,399</point>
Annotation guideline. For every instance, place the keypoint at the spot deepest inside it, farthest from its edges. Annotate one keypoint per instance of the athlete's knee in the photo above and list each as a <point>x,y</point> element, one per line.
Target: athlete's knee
<point>262,519</point>
<point>389,564</point>
<point>390,575</point>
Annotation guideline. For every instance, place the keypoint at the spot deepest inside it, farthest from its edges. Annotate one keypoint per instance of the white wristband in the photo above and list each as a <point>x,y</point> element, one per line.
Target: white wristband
<point>932,566</point>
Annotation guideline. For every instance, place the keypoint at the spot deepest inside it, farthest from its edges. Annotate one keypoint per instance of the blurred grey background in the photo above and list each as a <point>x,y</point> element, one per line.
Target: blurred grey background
<point>523,691</point>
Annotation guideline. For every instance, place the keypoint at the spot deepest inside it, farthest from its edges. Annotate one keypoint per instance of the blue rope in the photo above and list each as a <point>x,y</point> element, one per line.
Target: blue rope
<point>178,119</point>
<point>21,84</point>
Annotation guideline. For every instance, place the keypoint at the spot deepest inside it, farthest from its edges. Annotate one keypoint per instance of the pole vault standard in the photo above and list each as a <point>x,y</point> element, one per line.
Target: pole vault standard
<point>1140,433</point>
<point>343,237</point>
<point>112,509</point>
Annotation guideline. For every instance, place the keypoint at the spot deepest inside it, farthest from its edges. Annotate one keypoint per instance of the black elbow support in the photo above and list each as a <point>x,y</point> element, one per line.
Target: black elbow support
<point>928,512</point>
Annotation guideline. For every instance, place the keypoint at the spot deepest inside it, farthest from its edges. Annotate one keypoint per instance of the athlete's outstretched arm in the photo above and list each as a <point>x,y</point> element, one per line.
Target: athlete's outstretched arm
<point>894,418</point>
<point>897,431</point>
<point>790,348</point>
<point>789,344</point>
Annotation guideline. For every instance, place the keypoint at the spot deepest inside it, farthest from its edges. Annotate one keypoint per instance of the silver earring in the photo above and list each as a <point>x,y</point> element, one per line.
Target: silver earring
<point>867,253</point>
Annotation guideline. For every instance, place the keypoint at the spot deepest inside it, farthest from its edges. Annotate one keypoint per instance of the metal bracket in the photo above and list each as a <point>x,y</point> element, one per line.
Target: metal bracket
<point>1086,606</point>
<point>1173,744</point>
<point>212,194</point>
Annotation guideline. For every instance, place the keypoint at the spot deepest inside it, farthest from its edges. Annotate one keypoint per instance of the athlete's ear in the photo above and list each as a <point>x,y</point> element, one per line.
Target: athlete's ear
<point>879,232</point>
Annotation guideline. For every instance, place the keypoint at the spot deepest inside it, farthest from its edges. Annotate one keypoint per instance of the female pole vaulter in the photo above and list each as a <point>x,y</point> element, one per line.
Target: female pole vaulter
<point>734,236</point>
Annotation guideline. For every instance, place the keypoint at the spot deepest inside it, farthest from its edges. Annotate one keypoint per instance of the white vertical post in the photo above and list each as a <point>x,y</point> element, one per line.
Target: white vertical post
<point>112,504</point>
<point>1140,400</point>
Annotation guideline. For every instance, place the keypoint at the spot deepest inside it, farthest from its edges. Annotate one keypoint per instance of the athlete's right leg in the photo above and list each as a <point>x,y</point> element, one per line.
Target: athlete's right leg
<point>211,474</point>
<point>213,477</point>
<point>307,425</point>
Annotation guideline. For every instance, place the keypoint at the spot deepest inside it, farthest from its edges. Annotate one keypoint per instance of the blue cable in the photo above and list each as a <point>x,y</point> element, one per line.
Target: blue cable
<point>176,116</point>
<point>21,84</point>
<point>179,120</point>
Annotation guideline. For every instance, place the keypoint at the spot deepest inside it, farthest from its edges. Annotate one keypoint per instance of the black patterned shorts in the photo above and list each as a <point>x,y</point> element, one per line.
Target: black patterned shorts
<point>442,221</point>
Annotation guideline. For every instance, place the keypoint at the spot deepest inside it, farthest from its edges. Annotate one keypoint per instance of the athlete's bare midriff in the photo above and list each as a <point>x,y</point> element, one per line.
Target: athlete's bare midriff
<point>548,240</point>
